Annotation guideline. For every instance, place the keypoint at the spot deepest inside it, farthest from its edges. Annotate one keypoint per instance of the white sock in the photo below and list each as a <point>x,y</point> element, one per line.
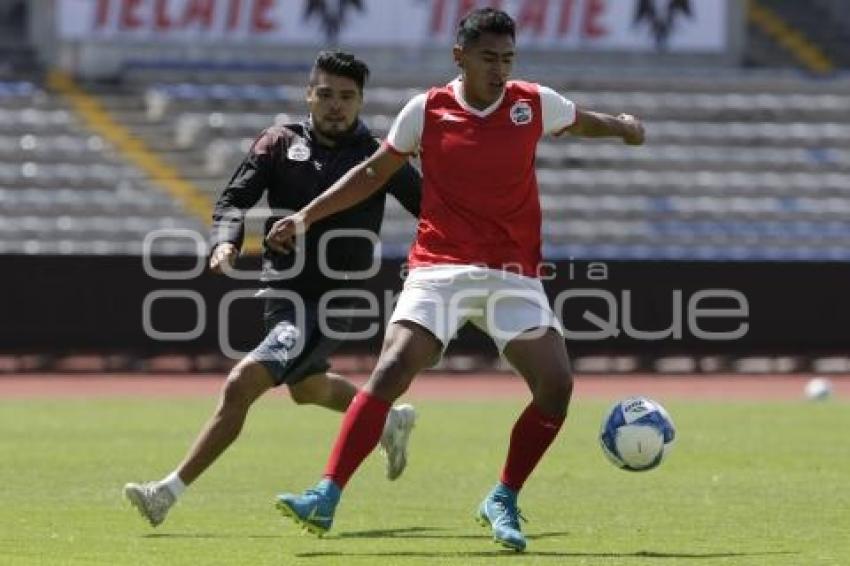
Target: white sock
<point>174,484</point>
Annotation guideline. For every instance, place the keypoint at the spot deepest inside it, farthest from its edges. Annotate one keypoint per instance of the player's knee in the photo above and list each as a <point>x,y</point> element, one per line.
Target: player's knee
<point>301,397</point>
<point>310,392</point>
<point>565,390</point>
<point>392,375</point>
<point>234,394</point>
<point>244,384</point>
<point>391,367</point>
<point>554,390</point>
<point>567,382</point>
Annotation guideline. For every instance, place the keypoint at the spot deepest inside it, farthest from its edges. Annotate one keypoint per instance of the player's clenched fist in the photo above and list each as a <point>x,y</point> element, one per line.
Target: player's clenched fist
<point>281,236</point>
<point>224,253</point>
<point>632,129</point>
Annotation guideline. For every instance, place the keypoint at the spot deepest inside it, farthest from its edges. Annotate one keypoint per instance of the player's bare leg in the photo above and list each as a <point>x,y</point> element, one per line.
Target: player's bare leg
<point>245,384</point>
<point>247,381</point>
<point>408,348</point>
<point>541,358</point>
<point>329,390</point>
<point>334,392</point>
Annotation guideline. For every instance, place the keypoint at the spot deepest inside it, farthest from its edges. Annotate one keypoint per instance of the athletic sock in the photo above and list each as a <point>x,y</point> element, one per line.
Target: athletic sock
<point>531,436</point>
<point>359,434</point>
<point>174,484</point>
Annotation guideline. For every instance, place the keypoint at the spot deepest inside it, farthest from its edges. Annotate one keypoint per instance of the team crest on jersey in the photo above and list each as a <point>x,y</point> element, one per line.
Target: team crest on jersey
<point>298,151</point>
<point>521,113</point>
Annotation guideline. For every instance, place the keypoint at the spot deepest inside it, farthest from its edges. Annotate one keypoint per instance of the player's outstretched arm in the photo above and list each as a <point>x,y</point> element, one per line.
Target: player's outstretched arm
<point>358,184</point>
<point>591,124</point>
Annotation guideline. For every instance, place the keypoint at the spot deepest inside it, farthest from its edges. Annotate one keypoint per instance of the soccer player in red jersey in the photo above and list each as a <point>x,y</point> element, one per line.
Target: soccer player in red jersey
<point>475,258</point>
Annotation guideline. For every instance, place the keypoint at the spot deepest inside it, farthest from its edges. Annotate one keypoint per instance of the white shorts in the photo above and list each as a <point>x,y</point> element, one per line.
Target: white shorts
<point>441,298</point>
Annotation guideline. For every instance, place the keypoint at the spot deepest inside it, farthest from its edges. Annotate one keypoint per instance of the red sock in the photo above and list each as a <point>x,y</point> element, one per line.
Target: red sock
<point>531,436</point>
<point>359,434</point>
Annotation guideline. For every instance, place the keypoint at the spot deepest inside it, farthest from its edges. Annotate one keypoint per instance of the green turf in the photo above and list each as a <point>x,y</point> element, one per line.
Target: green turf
<point>747,484</point>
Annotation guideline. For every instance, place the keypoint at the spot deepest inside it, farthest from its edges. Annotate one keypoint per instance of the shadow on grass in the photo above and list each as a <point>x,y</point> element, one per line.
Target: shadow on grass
<point>430,533</point>
<point>205,536</point>
<point>510,554</point>
<point>441,533</point>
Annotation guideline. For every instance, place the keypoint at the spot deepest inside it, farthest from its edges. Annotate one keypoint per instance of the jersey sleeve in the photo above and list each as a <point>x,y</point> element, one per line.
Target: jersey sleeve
<point>406,132</point>
<point>558,112</point>
<point>245,189</point>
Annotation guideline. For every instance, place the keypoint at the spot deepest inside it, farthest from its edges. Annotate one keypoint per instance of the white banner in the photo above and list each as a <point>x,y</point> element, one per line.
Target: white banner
<point>595,25</point>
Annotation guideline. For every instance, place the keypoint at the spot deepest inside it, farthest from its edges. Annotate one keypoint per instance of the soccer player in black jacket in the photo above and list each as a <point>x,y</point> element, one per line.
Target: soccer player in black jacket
<point>293,164</point>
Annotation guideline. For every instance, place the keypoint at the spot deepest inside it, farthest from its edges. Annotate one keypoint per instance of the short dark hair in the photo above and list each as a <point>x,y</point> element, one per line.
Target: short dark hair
<point>484,20</point>
<point>341,64</point>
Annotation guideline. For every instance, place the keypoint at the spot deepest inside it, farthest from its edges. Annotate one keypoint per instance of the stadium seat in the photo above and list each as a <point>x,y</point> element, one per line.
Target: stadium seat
<point>735,168</point>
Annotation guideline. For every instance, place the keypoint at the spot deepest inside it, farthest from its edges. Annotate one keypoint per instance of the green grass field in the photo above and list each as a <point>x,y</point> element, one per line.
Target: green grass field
<point>747,484</point>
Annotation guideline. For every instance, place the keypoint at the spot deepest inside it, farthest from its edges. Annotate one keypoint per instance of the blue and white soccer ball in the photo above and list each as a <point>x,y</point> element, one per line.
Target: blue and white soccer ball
<point>637,433</point>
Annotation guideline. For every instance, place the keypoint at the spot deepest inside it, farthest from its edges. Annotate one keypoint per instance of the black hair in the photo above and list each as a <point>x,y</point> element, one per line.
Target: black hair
<point>341,64</point>
<point>484,20</point>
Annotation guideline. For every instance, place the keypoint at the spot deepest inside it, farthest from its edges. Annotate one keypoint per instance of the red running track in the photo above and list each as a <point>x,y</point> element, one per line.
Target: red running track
<point>432,386</point>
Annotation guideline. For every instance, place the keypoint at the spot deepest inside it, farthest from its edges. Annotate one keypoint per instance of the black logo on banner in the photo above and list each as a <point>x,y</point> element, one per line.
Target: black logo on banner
<point>332,14</point>
<point>661,19</point>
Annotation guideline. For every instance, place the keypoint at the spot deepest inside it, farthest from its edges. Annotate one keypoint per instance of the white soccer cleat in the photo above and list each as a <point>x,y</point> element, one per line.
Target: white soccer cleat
<point>152,499</point>
<point>394,440</point>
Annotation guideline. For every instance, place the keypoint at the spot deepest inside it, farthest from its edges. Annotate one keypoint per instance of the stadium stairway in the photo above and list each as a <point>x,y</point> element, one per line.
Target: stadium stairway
<point>66,190</point>
<point>822,22</point>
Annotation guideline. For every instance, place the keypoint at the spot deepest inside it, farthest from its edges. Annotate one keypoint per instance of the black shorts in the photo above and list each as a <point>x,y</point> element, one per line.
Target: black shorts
<point>295,346</point>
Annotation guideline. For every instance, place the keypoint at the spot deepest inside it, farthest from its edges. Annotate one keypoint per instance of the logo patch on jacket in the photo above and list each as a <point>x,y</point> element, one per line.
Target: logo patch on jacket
<point>521,113</point>
<point>298,151</point>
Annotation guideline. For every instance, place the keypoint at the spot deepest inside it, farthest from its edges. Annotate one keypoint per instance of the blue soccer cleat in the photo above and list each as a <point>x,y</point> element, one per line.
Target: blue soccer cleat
<point>314,509</point>
<point>500,512</point>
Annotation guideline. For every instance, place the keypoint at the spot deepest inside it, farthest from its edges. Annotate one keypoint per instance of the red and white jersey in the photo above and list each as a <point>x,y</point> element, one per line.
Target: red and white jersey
<point>480,204</point>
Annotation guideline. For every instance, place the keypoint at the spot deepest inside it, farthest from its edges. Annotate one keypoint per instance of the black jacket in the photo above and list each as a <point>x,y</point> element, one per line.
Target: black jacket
<point>289,163</point>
